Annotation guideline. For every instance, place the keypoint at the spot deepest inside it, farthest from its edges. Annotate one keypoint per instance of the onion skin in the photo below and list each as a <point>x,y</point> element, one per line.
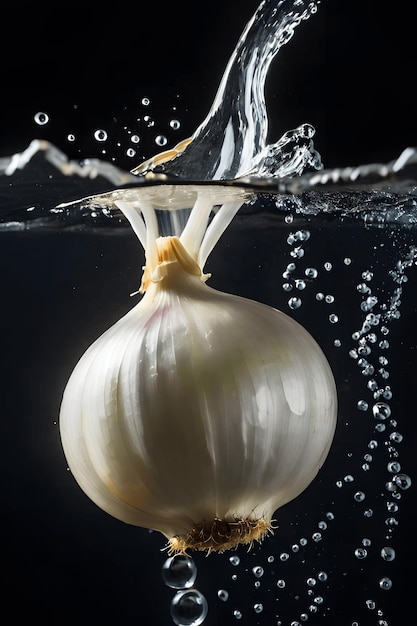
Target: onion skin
<point>199,413</point>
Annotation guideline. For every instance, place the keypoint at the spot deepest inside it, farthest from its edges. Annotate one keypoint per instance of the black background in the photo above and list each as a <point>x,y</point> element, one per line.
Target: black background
<point>348,71</point>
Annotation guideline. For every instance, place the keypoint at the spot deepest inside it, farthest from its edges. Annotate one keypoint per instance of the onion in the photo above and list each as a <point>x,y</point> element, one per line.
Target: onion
<point>199,413</point>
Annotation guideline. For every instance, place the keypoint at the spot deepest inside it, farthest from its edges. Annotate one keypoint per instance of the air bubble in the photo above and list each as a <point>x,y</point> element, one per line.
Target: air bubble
<point>161,140</point>
<point>41,118</point>
<point>258,571</point>
<point>387,553</point>
<point>333,318</point>
<point>394,467</point>
<point>361,553</point>
<point>258,607</point>
<point>396,437</point>
<point>175,124</point>
<point>294,303</point>
<point>135,139</point>
<point>179,572</point>
<point>189,608</point>
<point>146,102</point>
<point>402,481</point>
<point>311,272</point>
<point>100,135</point>
<point>71,137</point>
<point>237,614</point>
<point>281,583</point>
<point>362,405</point>
<point>381,410</point>
<point>234,560</point>
<point>223,595</point>
<point>385,583</point>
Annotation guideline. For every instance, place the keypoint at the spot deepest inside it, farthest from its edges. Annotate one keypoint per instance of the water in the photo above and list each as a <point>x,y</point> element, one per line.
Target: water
<point>341,259</point>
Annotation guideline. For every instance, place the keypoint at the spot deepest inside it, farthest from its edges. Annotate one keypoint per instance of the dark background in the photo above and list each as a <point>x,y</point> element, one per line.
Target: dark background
<point>349,72</point>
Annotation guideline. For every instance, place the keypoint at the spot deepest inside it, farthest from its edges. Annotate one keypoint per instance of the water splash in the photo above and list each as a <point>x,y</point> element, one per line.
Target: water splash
<point>232,140</point>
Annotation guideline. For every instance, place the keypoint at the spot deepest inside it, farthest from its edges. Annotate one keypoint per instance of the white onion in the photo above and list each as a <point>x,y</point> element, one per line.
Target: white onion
<point>199,413</point>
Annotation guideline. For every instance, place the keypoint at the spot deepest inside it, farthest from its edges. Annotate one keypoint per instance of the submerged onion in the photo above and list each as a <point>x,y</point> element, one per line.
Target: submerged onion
<point>199,413</point>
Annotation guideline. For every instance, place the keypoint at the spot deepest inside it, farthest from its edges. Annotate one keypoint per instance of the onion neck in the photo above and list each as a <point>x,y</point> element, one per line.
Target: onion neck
<point>171,263</point>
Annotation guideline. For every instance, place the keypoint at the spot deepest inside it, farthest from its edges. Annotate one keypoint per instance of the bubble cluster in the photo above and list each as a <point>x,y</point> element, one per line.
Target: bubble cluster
<point>188,606</point>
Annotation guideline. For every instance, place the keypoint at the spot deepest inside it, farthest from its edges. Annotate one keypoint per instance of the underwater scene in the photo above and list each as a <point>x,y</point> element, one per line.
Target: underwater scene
<point>209,338</point>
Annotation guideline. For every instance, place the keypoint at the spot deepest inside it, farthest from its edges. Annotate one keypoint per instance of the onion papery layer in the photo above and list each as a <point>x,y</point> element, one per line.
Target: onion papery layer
<point>198,414</point>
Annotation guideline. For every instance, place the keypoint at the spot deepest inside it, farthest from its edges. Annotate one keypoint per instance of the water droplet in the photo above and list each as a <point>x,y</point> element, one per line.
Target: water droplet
<point>223,595</point>
<point>385,583</point>
<point>135,139</point>
<point>175,124</point>
<point>41,118</point>
<point>322,576</point>
<point>328,266</point>
<point>258,608</point>
<point>146,102</point>
<point>130,152</point>
<point>100,135</point>
<point>362,405</point>
<point>333,318</point>
<point>347,261</point>
<point>237,614</point>
<point>311,582</point>
<point>234,560</point>
<point>161,140</point>
<point>179,571</point>
<point>189,608</point>
<point>71,137</point>
<point>281,583</point>
<point>284,556</point>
